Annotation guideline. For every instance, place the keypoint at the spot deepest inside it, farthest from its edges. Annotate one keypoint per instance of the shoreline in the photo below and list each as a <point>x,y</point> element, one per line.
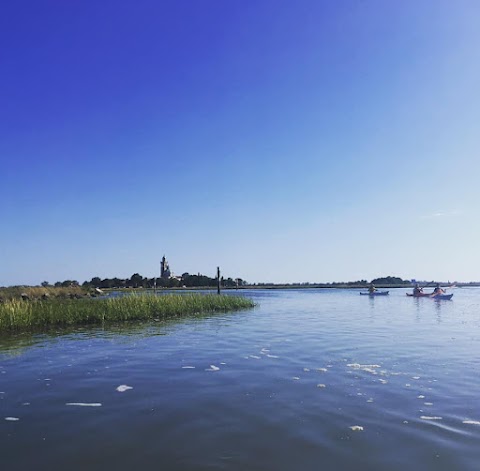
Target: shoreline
<point>274,286</point>
<point>20,315</point>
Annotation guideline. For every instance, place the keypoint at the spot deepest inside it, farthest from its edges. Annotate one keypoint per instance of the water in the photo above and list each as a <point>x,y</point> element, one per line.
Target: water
<point>308,380</point>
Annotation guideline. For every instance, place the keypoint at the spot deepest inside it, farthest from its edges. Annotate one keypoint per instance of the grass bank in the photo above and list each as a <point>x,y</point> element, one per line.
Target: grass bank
<point>39,292</point>
<point>18,314</point>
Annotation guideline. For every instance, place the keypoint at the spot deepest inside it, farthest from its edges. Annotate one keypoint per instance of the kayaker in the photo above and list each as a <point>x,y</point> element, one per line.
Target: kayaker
<point>417,291</point>
<point>372,289</point>
<point>438,290</point>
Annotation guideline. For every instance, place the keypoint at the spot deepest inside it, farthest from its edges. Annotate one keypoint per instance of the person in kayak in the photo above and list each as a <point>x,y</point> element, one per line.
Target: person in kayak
<point>438,290</point>
<point>417,291</point>
<point>372,289</point>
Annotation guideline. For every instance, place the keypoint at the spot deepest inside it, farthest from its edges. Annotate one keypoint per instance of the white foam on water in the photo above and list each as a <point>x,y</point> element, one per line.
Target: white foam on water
<point>367,368</point>
<point>188,367</point>
<point>421,396</point>
<point>222,363</point>
<point>123,388</point>
<point>426,417</point>
<point>359,366</point>
<point>255,356</point>
<point>12,419</point>
<point>272,356</point>
<point>265,350</point>
<point>296,378</point>
<point>321,370</point>
<point>370,400</point>
<point>405,421</point>
<point>383,381</point>
<point>212,368</point>
<point>428,403</point>
<point>415,377</point>
<point>84,404</point>
<point>306,369</point>
<point>321,385</point>
<point>471,422</point>
<point>407,385</point>
<point>25,404</point>
<point>356,428</point>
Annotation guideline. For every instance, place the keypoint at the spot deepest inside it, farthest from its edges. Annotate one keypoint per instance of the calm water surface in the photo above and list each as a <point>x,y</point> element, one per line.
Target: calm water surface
<point>279,387</point>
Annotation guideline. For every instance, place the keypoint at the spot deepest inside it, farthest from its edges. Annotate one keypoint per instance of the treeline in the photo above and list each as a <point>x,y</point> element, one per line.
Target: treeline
<point>138,281</point>
<point>387,280</point>
<point>334,284</point>
<point>201,281</point>
<point>390,280</point>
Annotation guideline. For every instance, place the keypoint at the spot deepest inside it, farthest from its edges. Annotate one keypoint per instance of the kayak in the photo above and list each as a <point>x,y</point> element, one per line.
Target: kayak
<point>432,296</point>
<point>375,293</point>
<point>442,296</point>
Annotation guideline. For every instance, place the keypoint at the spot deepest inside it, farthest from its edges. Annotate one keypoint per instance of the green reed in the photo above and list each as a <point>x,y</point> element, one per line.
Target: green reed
<point>19,315</point>
<point>38,292</point>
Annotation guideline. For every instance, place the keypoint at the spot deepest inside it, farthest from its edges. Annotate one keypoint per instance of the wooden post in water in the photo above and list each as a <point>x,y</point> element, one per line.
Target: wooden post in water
<point>218,280</point>
<point>155,281</point>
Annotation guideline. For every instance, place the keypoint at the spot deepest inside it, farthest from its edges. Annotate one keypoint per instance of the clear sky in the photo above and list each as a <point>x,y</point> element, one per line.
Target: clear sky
<point>281,140</point>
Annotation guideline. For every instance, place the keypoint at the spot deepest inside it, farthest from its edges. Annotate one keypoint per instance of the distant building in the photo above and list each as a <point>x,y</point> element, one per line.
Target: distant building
<point>165,268</point>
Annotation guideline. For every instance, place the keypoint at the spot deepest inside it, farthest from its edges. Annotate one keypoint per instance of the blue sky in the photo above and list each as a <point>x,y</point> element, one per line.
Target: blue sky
<point>284,141</point>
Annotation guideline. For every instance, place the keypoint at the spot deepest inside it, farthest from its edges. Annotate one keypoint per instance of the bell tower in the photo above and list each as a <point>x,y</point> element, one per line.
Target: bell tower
<point>164,268</point>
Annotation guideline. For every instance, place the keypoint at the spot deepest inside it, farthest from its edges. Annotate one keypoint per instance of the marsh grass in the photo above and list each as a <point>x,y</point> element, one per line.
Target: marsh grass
<point>37,292</point>
<point>16,314</point>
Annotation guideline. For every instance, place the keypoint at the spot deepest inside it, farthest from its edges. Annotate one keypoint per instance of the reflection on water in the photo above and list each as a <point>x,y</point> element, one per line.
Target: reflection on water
<point>14,343</point>
<point>310,379</point>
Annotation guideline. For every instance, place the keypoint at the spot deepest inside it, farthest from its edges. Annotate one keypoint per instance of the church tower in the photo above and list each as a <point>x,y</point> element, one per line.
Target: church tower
<point>164,268</point>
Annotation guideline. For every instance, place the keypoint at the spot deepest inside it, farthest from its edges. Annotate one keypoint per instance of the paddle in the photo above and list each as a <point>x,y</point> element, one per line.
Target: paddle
<point>428,284</point>
<point>442,291</point>
<point>414,282</point>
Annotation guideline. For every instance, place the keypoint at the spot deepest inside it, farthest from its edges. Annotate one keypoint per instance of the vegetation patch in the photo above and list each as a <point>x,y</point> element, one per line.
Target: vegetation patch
<point>18,314</point>
<point>40,292</point>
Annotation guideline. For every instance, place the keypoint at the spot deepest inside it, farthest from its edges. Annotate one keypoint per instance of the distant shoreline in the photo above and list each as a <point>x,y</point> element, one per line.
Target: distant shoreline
<point>292,286</point>
<point>78,292</point>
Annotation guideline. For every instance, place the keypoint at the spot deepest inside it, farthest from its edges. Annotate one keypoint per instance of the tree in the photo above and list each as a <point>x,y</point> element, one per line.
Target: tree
<point>136,280</point>
<point>389,280</point>
<point>96,282</point>
<point>173,283</point>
